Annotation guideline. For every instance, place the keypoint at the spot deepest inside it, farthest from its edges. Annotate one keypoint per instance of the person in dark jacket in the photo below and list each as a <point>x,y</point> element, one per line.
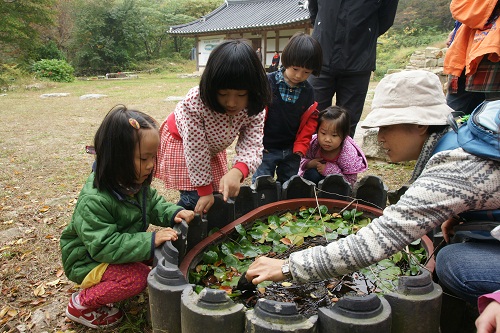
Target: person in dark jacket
<point>347,31</point>
<point>105,245</point>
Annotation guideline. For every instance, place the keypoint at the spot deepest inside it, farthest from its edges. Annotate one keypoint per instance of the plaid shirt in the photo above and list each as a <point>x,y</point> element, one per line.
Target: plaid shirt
<point>288,94</point>
<point>486,78</point>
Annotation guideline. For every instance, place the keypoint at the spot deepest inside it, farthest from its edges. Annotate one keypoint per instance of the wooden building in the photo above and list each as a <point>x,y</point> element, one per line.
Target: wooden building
<point>265,23</point>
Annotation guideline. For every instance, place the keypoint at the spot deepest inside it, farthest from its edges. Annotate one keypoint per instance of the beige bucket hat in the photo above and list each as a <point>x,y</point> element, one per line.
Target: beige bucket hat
<point>408,97</point>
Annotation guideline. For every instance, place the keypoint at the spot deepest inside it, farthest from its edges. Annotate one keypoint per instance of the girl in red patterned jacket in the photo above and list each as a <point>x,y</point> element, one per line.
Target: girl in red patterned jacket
<point>228,104</point>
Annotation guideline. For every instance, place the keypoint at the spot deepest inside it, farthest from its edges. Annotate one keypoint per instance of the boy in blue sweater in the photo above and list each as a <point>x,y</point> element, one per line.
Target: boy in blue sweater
<point>292,116</point>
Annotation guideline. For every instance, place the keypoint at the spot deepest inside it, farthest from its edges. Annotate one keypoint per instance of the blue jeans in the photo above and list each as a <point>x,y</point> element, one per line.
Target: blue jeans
<point>313,175</point>
<point>469,269</point>
<point>188,199</point>
<point>282,162</point>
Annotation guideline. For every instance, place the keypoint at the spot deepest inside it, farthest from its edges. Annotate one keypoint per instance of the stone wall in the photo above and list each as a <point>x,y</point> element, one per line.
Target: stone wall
<point>430,59</point>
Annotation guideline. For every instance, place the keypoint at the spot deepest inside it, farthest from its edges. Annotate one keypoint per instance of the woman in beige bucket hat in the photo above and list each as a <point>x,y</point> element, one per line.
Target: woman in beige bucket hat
<point>410,110</point>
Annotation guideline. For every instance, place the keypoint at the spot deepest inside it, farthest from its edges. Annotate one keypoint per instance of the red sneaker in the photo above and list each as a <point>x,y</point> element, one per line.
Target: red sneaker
<point>93,318</point>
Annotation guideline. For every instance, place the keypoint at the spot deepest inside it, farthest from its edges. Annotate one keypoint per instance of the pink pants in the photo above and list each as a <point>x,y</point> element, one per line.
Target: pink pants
<point>118,283</point>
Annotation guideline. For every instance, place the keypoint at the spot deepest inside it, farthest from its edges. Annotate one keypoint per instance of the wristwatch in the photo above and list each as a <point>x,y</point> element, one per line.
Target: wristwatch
<point>285,269</point>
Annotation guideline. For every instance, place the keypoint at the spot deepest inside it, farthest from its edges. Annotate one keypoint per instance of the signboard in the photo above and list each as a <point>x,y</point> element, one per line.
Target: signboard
<point>205,47</point>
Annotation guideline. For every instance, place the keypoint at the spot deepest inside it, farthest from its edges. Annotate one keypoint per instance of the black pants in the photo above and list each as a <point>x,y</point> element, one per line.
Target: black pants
<point>349,89</point>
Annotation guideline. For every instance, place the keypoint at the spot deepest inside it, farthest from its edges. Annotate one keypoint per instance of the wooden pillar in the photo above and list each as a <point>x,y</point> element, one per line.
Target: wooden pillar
<point>197,53</point>
<point>277,41</point>
<point>263,44</point>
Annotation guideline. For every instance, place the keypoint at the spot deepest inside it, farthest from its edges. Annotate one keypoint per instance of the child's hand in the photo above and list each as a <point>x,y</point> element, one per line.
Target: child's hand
<point>186,215</point>
<point>230,184</point>
<point>313,164</point>
<point>204,203</point>
<point>321,167</point>
<point>163,235</point>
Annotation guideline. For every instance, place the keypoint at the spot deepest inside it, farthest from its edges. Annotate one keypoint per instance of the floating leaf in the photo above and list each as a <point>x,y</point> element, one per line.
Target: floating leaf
<point>390,273</point>
<point>240,229</point>
<point>239,255</point>
<point>210,257</point>
<point>286,241</point>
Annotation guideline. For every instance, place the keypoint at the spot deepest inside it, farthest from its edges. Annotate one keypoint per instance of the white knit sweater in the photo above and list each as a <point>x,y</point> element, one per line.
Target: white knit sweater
<point>446,184</point>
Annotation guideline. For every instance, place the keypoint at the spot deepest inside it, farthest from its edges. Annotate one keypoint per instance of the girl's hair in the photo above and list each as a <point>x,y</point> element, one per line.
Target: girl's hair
<point>233,64</point>
<point>304,51</point>
<point>341,118</point>
<point>115,142</point>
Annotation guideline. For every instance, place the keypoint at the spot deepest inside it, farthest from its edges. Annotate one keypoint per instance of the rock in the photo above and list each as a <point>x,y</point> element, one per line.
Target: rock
<point>92,96</point>
<point>174,98</point>
<point>11,234</point>
<point>54,95</point>
<point>371,147</point>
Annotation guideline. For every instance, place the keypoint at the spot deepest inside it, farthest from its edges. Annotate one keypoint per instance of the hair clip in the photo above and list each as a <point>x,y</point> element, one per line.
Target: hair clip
<point>134,123</point>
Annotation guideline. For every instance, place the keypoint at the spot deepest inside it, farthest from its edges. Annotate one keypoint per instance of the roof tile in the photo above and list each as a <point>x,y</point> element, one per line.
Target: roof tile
<point>244,15</point>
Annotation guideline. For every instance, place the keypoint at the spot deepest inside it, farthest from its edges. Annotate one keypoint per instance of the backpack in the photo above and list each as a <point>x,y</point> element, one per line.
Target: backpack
<point>480,136</point>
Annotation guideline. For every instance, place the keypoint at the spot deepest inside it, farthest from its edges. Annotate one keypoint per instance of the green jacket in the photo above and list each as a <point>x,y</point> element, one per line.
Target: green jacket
<point>110,228</point>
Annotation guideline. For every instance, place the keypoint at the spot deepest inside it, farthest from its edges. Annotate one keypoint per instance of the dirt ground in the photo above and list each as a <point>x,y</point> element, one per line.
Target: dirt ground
<point>43,165</point>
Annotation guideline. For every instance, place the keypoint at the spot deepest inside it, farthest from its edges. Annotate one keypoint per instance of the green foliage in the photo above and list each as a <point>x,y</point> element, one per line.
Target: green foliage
<point>54,69</point>
<point>49,51</point>
<point>116,35</point>
<point>18,26</point>
<point>424,14</point>
<point>9,74</point>
<point>396,46</point>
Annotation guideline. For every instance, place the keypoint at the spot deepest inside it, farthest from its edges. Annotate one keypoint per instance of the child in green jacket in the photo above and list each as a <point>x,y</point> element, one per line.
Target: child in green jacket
<point>104,246</point>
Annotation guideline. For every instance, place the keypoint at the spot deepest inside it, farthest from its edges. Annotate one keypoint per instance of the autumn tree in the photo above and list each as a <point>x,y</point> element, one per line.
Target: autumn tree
<point>20,25</point>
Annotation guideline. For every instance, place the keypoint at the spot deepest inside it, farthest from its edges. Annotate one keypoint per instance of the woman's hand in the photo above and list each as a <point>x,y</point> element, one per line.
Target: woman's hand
<point>447,228</point>
<point>230,184</point>
<point>204,203</point>
<point>163,235</point>
<point>489,320</point>
<point>186,215</point>
<point>265,269</point>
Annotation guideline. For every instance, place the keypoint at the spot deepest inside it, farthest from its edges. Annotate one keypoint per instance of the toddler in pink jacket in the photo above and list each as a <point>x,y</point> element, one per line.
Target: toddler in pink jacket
<point>332,150</point>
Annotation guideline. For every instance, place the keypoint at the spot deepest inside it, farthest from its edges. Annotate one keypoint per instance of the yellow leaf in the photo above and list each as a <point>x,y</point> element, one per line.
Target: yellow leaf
<point>12,313</point>
<point>40,290</point>
<point>53,283</point>
<point>44,209</point>
<point>4,310</point>
<point>286,284</point>
<point>26,254</point>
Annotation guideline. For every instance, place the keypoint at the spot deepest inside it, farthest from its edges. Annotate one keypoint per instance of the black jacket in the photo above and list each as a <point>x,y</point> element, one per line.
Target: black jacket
<point>348,30</point>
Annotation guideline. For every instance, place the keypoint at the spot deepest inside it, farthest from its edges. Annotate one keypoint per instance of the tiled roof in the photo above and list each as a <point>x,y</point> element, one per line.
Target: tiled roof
<point>236,15</point>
